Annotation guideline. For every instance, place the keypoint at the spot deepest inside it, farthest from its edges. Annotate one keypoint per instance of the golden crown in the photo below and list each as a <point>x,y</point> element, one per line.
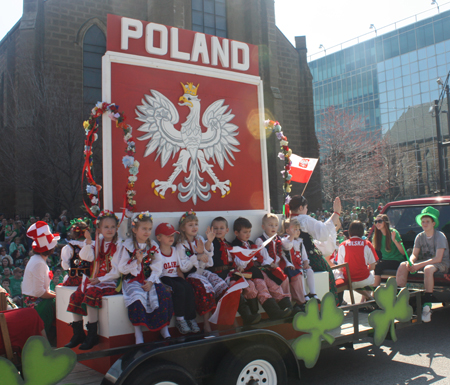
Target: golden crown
<point>190,89</point>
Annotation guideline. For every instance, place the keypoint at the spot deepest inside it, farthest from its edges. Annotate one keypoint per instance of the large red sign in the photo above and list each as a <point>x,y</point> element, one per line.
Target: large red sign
<point>195,118</point>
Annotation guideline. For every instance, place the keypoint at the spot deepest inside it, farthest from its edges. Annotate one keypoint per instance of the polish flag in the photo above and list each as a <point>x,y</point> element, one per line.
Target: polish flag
<point>84,283</point>
<point>248,254</point>
<point>227,306</point>
<point>302,168</point>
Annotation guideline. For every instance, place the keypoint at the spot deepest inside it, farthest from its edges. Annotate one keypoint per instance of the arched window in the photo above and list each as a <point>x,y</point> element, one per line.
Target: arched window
<point>94,47</point>
<point>210,16</point>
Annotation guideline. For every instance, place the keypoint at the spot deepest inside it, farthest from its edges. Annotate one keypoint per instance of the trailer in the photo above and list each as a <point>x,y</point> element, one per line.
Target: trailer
<point>258,354</point>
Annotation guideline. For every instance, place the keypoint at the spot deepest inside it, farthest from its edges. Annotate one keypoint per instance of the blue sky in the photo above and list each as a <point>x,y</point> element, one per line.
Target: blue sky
<point>326,22</point>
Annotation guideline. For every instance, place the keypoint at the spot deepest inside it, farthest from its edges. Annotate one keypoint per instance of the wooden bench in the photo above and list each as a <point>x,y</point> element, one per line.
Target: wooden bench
<point>342,284</point>
<point>4,330</point>
<point>441,283</point>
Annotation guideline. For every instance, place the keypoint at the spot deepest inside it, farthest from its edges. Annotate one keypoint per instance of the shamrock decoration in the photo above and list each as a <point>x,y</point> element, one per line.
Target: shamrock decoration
<point>393,307</point>
<point>41,365</point>
<point>307,347</point>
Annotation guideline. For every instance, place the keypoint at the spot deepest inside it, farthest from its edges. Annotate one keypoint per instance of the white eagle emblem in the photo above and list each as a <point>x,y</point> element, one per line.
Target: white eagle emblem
<point>160,116</point>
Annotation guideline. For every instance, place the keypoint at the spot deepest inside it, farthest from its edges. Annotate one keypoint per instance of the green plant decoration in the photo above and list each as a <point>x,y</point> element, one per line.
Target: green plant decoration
<point>41,365</point>
<point>393,307</point>
<point>317,324</point>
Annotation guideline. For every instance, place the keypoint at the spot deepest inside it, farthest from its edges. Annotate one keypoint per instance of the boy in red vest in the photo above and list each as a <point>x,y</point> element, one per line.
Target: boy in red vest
<point>360,256</point>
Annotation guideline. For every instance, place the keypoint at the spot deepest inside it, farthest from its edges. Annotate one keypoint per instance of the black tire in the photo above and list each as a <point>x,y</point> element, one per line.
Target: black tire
<point>260,361</point>
<point>160,373</point>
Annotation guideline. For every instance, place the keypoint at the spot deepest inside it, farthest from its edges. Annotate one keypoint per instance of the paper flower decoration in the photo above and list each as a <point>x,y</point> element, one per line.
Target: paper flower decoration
<point>91,128</point>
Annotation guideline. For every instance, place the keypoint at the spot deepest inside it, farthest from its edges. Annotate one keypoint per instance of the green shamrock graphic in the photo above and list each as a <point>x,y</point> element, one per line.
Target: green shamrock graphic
<point>317,324</point>
<point>393,307</point>
<point>41,365</point>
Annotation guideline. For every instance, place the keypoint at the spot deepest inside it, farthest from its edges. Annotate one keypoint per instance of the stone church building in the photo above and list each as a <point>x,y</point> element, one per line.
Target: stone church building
<point>50,78</point>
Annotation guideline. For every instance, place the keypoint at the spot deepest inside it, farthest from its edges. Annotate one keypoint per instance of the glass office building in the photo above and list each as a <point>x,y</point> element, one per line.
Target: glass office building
<point>390,82</point>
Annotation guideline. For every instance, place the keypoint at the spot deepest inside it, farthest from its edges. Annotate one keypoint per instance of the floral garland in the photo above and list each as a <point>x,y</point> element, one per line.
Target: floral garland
<point>91,128</point>
<point>142,216</point>
<point>284,154</point>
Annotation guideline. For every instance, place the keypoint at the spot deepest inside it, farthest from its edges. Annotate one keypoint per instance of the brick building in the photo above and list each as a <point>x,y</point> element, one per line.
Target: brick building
<point>50,77</point>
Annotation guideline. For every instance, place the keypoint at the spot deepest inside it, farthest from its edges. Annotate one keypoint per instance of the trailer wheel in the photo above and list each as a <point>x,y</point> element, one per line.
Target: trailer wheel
<point>161,374</point>
<point>257,364</point>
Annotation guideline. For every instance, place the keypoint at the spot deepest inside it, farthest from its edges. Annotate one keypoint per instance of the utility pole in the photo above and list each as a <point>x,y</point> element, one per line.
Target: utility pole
<point>440,153</point>
<point>447,91</point>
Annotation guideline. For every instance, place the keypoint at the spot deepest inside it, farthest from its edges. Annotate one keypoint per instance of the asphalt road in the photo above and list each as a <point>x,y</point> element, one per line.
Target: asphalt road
<point>420,356</point>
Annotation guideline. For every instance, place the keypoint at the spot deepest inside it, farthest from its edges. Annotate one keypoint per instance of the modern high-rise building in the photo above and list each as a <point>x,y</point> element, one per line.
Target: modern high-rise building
<point>390,81</point>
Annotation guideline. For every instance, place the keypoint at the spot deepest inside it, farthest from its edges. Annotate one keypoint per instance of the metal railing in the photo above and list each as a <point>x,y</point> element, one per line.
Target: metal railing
<point>387,28</point>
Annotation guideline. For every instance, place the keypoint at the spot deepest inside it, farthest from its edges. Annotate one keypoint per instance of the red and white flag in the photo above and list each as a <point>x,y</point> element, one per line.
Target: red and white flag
<point>84,283</point>
<point>302,168</point>
<point>248,254</point>
<point>228,305</point>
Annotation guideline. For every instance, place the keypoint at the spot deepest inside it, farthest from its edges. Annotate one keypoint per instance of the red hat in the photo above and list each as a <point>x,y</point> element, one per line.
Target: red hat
<point>43,239</point>
<point>166,229</point>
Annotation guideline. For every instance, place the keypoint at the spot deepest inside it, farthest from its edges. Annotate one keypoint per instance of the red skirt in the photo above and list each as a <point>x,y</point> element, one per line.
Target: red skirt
<point>91,297</point>
<point>204,302</point>
<point>72,281</point>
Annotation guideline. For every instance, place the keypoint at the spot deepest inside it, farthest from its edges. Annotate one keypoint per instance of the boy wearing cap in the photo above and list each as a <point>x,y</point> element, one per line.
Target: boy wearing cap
<point>430,253</point>
<point>182,292</point>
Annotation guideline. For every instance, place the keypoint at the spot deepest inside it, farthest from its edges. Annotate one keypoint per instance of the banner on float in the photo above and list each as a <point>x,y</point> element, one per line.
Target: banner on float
<point>195,105</point>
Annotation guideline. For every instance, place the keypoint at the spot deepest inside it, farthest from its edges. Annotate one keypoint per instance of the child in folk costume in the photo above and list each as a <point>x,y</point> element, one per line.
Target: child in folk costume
<point>87,299</point>
<point>196,255</point>
<point>224,265</point>
<point>183,296</point>
<point>298,256</point>
<point>268,292</point>
<point>36,281</point>
<point>148,301</point>
<point>70,254</point>
<point>275,261</point>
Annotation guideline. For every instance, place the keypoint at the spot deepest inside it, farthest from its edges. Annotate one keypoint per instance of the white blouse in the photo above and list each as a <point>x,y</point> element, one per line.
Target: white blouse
<point>87,253</point>
<point>67,253</point>
<point>187,263</point>
<point>36,280</point>
<point>134,268</point>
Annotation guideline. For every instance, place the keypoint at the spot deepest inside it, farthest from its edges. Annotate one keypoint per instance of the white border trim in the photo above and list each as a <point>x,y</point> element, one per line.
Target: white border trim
<point>116,57</point>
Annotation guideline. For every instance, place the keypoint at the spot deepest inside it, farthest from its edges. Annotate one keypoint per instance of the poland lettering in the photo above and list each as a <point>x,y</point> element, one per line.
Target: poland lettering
<point>160,41</point>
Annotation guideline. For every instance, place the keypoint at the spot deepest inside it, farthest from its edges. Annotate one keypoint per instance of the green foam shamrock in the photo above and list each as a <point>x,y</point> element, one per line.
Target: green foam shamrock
<point>393,307</point>
<point>41,365</point>
<point>317,324</point>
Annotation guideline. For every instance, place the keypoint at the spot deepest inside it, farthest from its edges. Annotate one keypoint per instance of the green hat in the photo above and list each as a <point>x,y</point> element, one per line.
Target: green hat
<point>429,212</point>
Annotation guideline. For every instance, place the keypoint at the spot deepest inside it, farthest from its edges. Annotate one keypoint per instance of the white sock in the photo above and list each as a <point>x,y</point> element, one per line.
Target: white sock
<point>180,318</point>
<point>77,317</point>
<point>138,335</point>
<point>310,281</point>
<point>165,332</point>
<point>92,315</point>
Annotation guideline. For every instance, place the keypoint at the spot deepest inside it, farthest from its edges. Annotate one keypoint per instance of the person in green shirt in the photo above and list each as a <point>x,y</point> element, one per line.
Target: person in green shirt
<point>388,243</point>
<point>15,285</point>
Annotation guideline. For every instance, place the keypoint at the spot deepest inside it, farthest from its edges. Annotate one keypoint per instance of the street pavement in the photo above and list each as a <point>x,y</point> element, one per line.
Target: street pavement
<point>420,356</point>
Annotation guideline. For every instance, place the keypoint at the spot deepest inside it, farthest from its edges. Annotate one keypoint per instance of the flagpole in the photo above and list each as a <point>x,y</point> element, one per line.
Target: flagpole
<point>305,186</point>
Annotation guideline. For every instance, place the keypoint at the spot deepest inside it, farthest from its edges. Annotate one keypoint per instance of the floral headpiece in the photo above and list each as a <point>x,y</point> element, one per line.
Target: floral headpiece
<point>79,226</point>
<point>183,217</point>
<point>141,216</point>
<point>106,214</point>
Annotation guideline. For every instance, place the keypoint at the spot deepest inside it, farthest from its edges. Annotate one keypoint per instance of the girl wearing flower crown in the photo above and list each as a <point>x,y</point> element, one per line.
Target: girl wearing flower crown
<point>70,254</point>
<point>87,299</point>
<point>147,299</point>
<point>195,256</point>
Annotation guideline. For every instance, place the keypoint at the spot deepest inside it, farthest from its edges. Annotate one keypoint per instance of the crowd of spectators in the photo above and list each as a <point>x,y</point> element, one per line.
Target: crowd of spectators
<point>16,250</point>
<point>363,214</point>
